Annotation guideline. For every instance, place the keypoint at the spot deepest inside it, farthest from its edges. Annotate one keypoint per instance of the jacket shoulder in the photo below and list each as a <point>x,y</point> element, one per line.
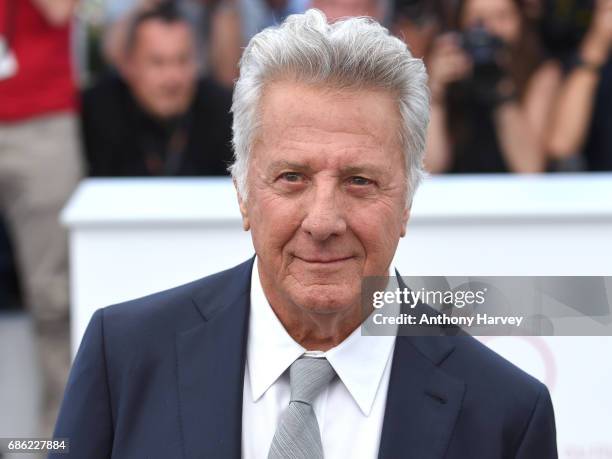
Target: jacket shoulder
<point>175,309</point>
<point>503,400</point>
<point>494,381</point>
<point>481,363</point>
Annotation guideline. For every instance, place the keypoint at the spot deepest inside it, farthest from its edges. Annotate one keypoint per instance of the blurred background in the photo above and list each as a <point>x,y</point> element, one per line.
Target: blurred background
<point>142,88</point>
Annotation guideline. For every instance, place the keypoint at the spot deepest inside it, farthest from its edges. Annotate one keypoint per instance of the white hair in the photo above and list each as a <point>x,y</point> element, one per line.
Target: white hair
<point>350,53</point>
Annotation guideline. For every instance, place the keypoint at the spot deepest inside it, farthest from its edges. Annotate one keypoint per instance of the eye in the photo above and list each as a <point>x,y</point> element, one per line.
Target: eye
<point>360,181</point>
<point>293,177</point>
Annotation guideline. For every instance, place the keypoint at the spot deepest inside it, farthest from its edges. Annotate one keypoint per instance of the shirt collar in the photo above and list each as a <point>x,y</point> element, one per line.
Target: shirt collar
<point>270,349</point>
<point>359,361</point>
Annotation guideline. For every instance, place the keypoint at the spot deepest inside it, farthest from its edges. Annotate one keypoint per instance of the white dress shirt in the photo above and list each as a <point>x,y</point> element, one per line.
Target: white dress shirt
<point>349,412</point>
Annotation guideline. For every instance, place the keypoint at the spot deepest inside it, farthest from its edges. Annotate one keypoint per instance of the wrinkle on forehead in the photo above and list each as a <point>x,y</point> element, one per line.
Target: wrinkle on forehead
<point>319,114</point>
<point>308,141</point>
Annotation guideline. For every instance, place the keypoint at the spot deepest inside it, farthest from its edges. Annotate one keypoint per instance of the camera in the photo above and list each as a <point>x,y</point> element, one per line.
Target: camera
<point>485,50</point>
<point>482,46</point>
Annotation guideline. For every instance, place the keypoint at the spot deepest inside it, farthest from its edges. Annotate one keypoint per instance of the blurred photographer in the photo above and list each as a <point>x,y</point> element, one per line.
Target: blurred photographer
<point>583,117</point>
<point>491,92</point>
<point>157,117</point>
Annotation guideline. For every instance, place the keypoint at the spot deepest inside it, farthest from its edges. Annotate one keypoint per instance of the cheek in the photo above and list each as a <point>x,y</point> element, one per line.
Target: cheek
<point>152,89</point>
<point>183,76</point>
<point>149,75</point>
<point>274,221</point>
<point>508,27</point>
<point>378,229</point>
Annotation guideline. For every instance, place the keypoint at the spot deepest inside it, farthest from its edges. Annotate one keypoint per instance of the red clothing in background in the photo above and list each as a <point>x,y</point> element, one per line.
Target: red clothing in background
<point>44,81</point>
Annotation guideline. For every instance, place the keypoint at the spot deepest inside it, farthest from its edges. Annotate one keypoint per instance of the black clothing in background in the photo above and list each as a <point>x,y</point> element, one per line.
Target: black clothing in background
<point>598,148</point>
<point>474,143</point>
<point>122,140</point>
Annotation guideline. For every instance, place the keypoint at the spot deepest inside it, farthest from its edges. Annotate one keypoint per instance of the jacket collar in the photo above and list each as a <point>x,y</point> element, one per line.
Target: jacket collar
<point>210,367</point>
<point>423,401</point>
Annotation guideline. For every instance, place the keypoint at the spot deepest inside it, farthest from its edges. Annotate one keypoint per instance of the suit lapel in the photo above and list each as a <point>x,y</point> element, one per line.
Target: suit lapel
<point>423,402</point>
<point>210,369</point>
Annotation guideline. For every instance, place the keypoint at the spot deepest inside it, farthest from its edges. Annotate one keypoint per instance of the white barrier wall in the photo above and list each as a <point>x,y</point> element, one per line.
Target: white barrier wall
<point>131,237</point>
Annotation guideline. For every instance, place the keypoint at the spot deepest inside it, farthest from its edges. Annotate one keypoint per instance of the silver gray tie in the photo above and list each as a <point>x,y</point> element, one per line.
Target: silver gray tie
<point>297,435</point>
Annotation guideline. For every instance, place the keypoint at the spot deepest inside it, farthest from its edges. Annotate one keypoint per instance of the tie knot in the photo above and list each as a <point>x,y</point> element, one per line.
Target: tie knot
<point>308,376</point>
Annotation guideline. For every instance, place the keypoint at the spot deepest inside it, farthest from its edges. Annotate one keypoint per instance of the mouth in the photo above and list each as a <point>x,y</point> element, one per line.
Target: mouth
<point>323,261</point>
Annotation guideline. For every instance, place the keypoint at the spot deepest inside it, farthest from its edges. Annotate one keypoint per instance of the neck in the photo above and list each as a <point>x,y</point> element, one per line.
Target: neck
<point>317,331</point>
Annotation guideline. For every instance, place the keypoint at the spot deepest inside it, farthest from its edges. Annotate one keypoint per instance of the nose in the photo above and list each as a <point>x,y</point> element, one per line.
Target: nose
<point>324,214</point>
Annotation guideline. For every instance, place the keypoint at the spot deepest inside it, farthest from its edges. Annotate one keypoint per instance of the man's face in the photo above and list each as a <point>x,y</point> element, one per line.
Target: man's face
<point>161,69</point>
<point>326,202</point>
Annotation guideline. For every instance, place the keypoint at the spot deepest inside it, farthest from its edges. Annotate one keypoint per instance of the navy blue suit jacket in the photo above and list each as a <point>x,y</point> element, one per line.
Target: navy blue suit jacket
<point>162,377</point>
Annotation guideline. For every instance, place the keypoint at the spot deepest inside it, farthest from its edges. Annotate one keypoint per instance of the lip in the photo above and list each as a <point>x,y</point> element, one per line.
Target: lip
<point>323,261</point>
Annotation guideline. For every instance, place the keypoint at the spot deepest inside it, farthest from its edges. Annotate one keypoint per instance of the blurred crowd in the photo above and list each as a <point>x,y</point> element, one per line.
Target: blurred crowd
<point>517,85</point>
<point>122,88</point>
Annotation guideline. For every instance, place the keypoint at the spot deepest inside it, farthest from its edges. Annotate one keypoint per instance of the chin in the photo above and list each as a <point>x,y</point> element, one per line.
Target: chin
<point>329,299</point>
<point>171,109</point>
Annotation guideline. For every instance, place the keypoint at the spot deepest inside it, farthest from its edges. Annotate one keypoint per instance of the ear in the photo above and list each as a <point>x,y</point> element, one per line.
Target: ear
<point>243,209</point>
<point>405,217</point>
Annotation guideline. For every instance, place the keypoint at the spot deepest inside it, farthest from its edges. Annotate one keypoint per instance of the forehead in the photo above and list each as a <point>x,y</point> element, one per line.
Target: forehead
<point>489,6</point>
<point>297,118</point>
<point>158,35</point>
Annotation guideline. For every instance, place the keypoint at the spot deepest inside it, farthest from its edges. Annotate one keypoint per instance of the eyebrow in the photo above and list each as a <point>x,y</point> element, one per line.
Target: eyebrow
<point>283,164</point>
<point>349,170</point>
<point>361,168</point>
